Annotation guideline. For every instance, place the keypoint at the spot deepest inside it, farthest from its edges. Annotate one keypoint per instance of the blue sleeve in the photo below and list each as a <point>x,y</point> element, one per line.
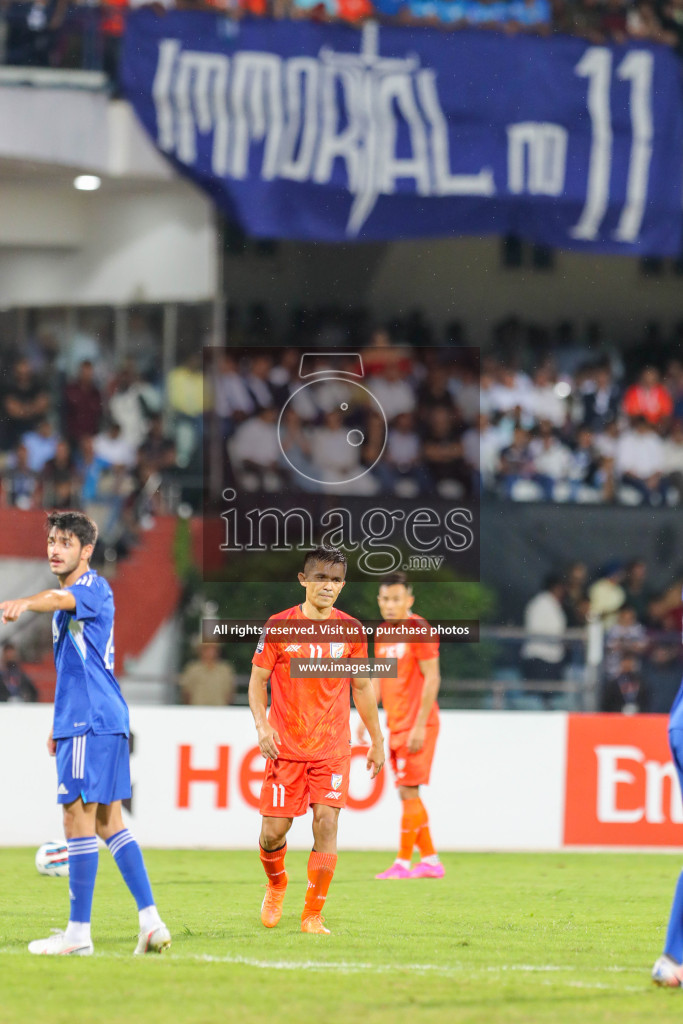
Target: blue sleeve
<point>89,597</point>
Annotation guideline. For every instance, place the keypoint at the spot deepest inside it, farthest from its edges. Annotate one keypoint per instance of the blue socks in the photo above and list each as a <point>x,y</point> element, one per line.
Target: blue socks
<point>83,858</point>
<point>674,934</point>
<point>128,857</point>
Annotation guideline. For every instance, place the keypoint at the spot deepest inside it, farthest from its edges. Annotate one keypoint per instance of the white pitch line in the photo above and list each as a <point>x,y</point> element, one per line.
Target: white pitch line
<point>528,967</point>
<point>339,966</point>
<point>362,967</point>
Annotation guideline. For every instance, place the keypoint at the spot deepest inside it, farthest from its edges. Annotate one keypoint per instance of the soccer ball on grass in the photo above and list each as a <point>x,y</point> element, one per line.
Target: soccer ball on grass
<point>53,858</point>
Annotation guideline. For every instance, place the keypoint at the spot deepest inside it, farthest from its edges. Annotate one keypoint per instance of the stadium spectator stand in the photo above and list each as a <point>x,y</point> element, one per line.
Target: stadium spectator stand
<point>558,422</point>
<point>56,33</point>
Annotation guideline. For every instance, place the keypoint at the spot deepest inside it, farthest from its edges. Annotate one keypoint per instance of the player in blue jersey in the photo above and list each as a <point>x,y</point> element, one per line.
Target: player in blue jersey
<point>89,736</point>
<point>668,969</point>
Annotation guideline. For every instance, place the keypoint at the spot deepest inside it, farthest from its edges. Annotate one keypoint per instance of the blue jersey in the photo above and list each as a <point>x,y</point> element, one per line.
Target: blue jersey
<point>87,695</point>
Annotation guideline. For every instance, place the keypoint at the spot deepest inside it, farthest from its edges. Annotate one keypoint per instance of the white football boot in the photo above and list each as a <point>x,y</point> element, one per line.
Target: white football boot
<point>666,972</point>
<point>58,945</point>
<point>154,941</point>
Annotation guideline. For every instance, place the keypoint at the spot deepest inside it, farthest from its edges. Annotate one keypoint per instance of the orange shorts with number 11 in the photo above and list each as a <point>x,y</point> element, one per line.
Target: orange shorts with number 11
<point>290,787</point>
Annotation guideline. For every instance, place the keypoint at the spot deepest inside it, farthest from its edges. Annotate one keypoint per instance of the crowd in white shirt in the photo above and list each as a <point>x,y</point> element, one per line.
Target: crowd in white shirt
<point>585,438</point>
<point>433,421</point>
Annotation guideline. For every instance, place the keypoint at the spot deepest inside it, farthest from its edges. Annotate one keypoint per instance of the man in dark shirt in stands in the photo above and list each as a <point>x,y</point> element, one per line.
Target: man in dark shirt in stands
<point>15,685</point>
<point>627,693</point>
<point>443,452</point>
<point>23,404</point>
<point>82,405</point>
<point>600,398</point>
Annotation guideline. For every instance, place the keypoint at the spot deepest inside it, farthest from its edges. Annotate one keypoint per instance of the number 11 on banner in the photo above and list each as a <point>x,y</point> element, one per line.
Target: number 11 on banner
<point>636,67</point>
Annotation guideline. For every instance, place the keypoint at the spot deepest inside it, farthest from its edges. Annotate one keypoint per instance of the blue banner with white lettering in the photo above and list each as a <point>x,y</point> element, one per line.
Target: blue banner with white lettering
<point>328,133</point>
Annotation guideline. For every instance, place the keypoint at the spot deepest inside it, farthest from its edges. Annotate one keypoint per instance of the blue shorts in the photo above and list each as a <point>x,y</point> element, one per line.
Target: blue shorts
<point>95,768</point>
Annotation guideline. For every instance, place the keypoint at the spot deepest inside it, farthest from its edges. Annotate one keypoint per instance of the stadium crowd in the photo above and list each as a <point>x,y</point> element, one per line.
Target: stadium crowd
<point>573,427</point>
<point>83,34</point>
<point>68,440</point>
<point>404,431</point>
<point>641,631</point>
<point>589,435</point>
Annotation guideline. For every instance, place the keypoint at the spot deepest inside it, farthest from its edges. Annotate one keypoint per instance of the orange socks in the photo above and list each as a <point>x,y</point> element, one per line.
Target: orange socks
<point>424,842</point>
<point>320,870</point>
<point>274,865</point>
<point>413,820</point>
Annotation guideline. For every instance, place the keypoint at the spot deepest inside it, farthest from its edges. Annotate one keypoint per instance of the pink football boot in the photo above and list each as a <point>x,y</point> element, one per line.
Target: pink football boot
<point>396,871</point>
<point>423,870</point>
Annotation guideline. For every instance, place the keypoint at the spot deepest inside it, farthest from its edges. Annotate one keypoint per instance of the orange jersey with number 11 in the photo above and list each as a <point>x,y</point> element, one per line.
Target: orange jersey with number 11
<point>311,716</point>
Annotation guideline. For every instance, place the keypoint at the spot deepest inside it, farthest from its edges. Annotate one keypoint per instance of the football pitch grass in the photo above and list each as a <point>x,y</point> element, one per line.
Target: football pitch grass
<point>503,937</point>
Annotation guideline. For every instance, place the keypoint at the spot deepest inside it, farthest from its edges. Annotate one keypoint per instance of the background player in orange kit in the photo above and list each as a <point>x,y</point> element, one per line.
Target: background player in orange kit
<point>413,721</point>
<point>306,739</point>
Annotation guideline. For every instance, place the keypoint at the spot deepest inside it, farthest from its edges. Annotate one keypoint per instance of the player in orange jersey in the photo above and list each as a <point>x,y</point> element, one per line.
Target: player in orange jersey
<point>413,721</point>
<point>306,737</point>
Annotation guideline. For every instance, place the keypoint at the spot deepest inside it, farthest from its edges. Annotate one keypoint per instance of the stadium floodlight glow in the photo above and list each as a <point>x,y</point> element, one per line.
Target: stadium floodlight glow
<point>87,182</point>
<point>563,389</point>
